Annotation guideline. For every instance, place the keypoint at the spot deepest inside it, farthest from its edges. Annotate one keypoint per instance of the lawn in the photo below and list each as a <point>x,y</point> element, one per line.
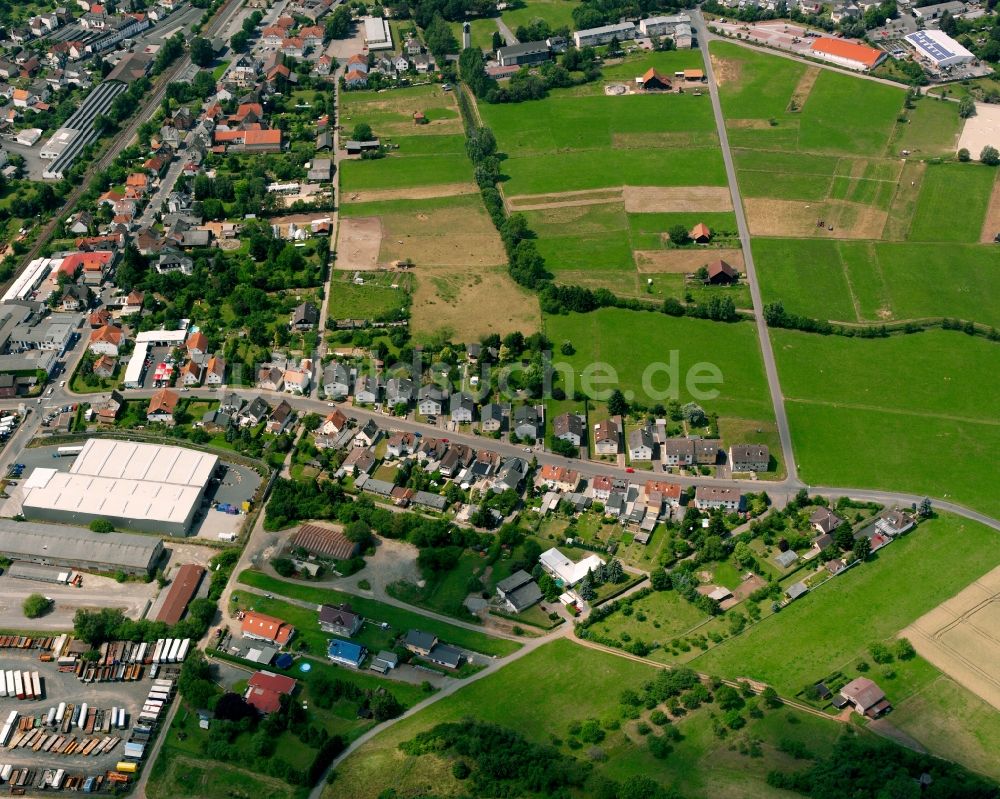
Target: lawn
<point>954,723</point>
<point>398,170</point>
<point>633,342</point>
<point>953,202</point>
<point>557,13</point>
<point>752,84</point>
<point>399,619</point>
<point>656,618</point>
<point>375,300</point>
<point>573,684</point>
<point>820,634</point>
<point>445,593</point>
<point>390,113</point>
<point>866,281</point>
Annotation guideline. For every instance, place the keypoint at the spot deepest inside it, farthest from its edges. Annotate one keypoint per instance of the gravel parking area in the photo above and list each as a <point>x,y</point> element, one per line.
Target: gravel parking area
<point>65,687</point>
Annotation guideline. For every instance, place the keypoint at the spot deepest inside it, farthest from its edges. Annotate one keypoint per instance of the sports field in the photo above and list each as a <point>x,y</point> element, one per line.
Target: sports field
<point>871,281</point>
<point>631,341</point>
<point>819,634</point>
<point>919,410</point>
<point>574,684</point>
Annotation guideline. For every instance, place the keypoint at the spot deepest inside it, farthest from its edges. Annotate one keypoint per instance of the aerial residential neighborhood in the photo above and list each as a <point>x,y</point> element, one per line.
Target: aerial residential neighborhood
<point>538,398</point>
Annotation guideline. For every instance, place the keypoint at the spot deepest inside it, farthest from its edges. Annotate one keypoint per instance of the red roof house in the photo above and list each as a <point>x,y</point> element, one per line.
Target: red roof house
<point>265,689</point>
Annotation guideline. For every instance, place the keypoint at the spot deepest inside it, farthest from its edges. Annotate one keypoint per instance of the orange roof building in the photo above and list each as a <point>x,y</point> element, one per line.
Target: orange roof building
<point>163,401</point>
<point>197,341</point>
<point>108,334</point>
<point>267,628</point>
<point>847,54</point>
<point>700,233</point>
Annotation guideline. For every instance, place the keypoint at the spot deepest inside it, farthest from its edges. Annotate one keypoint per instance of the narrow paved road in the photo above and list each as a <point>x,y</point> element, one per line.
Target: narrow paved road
<point>771,369</point>
<point>507,33</point>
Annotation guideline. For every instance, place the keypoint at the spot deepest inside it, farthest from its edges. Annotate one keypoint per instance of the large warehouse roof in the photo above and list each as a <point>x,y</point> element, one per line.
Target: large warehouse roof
<point>124,480</point>
<point>847,51</point>
<point>939,47</point>
<point>67,544</point>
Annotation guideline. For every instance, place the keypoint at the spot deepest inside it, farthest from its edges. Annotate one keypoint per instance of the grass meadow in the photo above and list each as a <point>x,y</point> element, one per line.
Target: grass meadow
<point>870,281</point>
<point>953,202</point>
<point>557,13</point>
<point>919,410</point>
<point>953,723</point>
<point>631,340</point>
<point>574,684</point>
<point>830,629</point>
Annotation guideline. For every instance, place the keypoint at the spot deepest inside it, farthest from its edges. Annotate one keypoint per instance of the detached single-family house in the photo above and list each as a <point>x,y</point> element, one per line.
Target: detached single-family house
<point>527,423</point>
<point>678,452</point>
<point>333,423</point>
<point>866,697</point>
<point>266,628</point>
<point>304,317</point>
<point>640,444</point>
<point>607,437</point>
<point>566,572</point>
<point>824,520</point>
<point>162,406</point>
<point>336,380</point>
<point>191,373</point>
<point>106,340</point>
<point>430,401</point>
<point>340,620</point>
<point>519,591</point>
<point>491,417</point>
<point>568,427</point>
<point>399,391</point>
<point>346,653</point>
<point>558,478</point>
<point>366,389</point>
<point>215,371</point>
<point>462,407</point>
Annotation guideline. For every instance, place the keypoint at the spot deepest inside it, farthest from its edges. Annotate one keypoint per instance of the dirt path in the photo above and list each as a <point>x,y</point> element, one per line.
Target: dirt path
<point>414,193</point>
<point>991,223</point>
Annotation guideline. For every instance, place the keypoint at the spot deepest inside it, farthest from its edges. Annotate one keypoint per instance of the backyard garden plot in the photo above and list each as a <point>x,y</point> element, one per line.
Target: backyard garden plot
<point>953,203</point>
<point>961,636</point>
<point>818,635</point>
<point>839,399</point>
<point>630,341</point>
<point>383,296</point>
<point>869,281</point>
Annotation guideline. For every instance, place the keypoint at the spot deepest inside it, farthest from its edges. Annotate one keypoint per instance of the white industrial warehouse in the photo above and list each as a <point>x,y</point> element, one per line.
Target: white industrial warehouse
<point>938,48</point>
<point>138,486</point>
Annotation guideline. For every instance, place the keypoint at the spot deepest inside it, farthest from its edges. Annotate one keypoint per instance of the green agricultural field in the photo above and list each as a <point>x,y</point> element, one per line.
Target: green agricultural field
<point>557,13</point>
<point>376,300</point>
<point>819,634</point>
<point>953,202</point>
<point>848,115</point>
<point>834,113</point>
<point>954,723</point>
<point>752,84</point>
<point>701,765</point>
<point>932,129</point>
<point>838,396</point>
<point>866,281</point>
<point>400,620</point>
<point>443,161</point>
<point>390,113</point>
<point>629,341</point>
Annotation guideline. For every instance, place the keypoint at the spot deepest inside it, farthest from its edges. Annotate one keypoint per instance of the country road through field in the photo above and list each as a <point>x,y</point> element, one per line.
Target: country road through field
<point>767,352</point>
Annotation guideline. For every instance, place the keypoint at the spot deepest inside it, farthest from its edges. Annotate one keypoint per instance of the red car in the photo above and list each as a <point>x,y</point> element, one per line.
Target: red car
<point>444,440</point>
<point>630,470</point>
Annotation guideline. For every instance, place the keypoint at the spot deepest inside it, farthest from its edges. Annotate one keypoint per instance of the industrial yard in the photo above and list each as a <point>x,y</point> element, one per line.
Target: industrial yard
<point>75,722</point>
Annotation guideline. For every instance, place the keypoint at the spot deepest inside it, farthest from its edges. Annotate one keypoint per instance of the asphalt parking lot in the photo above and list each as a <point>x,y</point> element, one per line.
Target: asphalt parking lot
<point>239,483</point>
<point>62,687</point>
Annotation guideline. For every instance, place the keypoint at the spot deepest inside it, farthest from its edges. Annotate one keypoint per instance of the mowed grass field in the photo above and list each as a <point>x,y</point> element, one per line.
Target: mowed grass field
<point>912,413</point>
<point>573,683</point>
<point>833,113</point>
<point>869,281</point>
<point>427,155</point>
<point>631,341</point>
<point>557,13</point>
<point>580,139</point>
<point>952,203</point>
<point>820,633</point>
